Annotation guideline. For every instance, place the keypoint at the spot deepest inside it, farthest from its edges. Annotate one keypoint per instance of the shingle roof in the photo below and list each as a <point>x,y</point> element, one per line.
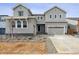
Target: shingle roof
<point>17,5</point>
<point>57,8</point>
<point>22,6</point>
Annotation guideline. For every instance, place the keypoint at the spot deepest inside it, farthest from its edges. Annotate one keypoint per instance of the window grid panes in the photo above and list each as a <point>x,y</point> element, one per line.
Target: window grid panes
<point>18,24</point>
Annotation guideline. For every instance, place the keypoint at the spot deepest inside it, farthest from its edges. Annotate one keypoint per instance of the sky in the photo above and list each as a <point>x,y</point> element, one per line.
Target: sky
<point>72,9</point>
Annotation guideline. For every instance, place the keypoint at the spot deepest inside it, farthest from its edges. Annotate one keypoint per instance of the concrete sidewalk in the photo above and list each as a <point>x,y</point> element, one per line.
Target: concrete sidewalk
<point>50,47</point>
<point>65,43</point>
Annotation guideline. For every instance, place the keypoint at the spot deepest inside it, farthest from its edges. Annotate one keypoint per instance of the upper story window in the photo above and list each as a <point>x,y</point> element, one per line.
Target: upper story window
<point>24,24</point>
<point>20,13</point>
<point>38,18</point>
<point>13,24</point>
<point>55,16</point>
<point>19,24</point>
<point>50,16</point>
<point>41,17</point>
<point>60,16</point>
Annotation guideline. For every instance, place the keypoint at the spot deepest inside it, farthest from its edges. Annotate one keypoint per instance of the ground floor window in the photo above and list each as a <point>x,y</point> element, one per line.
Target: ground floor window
<point>18,24</point>
<point>24,24</point>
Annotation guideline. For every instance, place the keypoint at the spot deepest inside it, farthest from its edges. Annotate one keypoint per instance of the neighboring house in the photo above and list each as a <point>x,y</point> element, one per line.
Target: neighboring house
<point>73,23</point>
<point>24,22</point>
<point>78,25</point>
<point>2,24</point>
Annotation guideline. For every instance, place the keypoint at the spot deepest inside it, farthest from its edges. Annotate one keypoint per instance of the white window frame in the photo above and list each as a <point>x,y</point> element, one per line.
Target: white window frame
<point>17,24</point>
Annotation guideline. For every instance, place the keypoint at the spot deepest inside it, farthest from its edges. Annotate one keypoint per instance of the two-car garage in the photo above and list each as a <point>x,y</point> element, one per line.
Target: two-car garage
<point>55,30</point>
<point>58,28</point>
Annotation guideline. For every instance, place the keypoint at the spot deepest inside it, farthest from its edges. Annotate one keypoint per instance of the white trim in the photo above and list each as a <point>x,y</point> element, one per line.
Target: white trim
<point>15,24</point>
<point>20,21</point>
<point>21,24</point>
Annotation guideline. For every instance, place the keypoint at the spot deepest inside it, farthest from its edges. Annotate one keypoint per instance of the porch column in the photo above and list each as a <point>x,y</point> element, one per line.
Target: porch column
<point>21,24</point>
<point>16,24</point>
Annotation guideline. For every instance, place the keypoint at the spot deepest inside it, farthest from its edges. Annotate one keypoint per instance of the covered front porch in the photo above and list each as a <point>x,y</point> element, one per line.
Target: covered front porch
<point>20,25</point>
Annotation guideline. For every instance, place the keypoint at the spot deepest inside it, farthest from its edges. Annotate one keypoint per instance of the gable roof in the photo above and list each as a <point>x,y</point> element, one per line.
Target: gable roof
<point>17,5</point>
<point>22,6</point>
<point>54,8</point>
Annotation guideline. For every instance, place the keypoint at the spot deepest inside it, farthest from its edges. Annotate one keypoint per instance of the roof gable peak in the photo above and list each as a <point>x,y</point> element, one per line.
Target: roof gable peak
<point>57,8</point>
<point>17,5</point>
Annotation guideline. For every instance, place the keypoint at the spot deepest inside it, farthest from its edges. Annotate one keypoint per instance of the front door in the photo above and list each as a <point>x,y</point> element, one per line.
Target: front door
<point>40,28</point>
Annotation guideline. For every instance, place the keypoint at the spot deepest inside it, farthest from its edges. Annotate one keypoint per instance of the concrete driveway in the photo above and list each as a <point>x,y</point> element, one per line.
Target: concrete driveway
<point>65,43</point>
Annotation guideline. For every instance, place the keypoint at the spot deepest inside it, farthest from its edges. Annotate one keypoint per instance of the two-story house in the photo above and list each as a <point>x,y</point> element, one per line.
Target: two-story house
<point>24,22</point>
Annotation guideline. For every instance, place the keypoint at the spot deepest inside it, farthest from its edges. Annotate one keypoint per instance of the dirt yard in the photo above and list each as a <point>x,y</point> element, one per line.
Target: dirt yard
<point>29,47</point>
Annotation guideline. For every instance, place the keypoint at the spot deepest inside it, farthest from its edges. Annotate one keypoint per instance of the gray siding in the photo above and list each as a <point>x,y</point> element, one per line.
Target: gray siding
<point>20,8</point>
<point>39,20</point>
<point>29,29</point>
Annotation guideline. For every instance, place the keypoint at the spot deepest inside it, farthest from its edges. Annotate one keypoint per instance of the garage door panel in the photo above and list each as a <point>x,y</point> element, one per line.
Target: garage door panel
<point>56,30</point>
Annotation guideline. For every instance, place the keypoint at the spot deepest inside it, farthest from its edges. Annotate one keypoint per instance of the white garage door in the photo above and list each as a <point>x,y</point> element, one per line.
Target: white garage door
<point>55,30</point>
